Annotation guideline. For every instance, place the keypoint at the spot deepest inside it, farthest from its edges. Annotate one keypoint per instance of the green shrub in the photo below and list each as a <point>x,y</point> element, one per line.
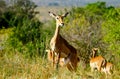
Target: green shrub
<point>27,36</point>
<point>111,31</point>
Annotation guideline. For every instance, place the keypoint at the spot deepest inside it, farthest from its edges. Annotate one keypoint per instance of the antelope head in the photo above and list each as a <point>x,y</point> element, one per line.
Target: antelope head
<point>58,18</point>
<point>94,50</point>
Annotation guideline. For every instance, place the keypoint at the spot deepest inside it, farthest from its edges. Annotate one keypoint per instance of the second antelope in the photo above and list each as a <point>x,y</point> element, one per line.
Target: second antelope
<point>60,46</point>
<point>63,61</point>
<point>50,58</point>
<point>97,62</point>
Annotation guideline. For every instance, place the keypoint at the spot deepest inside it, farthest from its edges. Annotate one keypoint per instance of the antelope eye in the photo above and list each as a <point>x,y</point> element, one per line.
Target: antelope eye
<point>57,18</point>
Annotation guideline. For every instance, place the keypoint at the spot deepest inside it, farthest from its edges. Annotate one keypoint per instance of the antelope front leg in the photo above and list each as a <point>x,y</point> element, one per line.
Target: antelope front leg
<point>53,58</point>
<point>99,66</point>
<point>58,61</point>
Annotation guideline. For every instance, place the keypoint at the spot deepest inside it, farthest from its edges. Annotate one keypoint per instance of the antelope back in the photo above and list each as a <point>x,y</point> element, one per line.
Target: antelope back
<point>97,62</point>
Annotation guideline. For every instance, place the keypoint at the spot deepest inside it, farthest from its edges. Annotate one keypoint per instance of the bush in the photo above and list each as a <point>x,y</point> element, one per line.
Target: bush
<point>110,28</point>
<point>28,36</point>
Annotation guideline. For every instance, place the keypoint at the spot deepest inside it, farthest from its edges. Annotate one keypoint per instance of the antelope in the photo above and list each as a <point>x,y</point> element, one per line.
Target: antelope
<point>60,46</point>
<point>97,62</point>
<point>108,68</point>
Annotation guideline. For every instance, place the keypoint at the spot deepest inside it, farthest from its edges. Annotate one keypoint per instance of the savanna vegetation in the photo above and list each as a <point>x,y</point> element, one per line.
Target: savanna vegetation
<point>24,39</point>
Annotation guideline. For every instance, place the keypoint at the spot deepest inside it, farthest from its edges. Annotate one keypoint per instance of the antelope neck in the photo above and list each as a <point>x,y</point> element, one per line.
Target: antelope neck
<point>57,31</point>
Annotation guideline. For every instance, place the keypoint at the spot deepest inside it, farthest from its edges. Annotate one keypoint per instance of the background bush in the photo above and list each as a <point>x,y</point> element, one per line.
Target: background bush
<point>27,36</point>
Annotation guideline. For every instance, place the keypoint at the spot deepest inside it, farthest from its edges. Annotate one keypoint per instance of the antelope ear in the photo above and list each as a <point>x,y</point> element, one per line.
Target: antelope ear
<point>52,14</point>
<point>64,15</point>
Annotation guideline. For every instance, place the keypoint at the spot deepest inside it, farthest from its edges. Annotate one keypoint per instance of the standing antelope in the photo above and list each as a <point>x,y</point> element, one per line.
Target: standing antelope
<point>97,62</point>
<point>60,46</point>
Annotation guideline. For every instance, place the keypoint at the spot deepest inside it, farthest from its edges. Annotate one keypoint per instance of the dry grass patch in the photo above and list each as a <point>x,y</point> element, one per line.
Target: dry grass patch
<point>16,66</point>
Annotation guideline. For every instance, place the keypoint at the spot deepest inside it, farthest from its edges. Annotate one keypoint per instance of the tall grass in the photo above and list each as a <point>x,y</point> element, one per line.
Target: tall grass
<point>16,66</point>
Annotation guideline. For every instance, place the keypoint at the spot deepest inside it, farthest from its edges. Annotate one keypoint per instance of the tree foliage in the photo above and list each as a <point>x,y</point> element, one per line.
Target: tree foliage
<point>111,31</point>
<point>28,36</point>
<point>15,12</point>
